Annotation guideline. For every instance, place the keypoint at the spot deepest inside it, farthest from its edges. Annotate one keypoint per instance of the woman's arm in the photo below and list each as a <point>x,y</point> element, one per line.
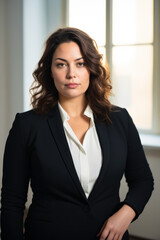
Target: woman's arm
<point>14,183</point>
<point>137,173</point>
<point>140,182</point>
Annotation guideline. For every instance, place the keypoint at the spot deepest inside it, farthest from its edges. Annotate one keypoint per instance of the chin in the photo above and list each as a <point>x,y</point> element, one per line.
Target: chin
<point>71,96</point>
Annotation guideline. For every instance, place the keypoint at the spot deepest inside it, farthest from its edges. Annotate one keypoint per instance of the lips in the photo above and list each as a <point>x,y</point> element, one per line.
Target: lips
<point>72,85</point>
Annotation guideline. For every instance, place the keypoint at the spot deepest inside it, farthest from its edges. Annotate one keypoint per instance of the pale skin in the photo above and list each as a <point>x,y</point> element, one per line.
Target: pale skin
<point>71,78</point>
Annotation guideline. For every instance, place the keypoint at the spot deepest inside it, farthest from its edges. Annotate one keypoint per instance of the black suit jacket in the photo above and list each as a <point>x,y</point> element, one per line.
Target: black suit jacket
<point>37,151</point>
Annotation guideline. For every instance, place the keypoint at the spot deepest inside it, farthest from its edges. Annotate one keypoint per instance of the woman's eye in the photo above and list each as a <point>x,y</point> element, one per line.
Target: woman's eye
<point>80,64</point>
<point>61,65</point>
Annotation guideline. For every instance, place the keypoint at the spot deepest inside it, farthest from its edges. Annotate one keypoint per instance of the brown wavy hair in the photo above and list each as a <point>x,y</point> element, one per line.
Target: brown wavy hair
<point>43,91</point>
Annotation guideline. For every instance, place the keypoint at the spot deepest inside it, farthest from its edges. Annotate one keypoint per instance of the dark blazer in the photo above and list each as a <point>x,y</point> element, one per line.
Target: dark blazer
<point>37,151</point>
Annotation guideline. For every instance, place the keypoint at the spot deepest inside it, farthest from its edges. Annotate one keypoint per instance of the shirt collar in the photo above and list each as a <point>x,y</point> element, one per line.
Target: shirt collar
<point>65,117</point>
<point>88,112</point>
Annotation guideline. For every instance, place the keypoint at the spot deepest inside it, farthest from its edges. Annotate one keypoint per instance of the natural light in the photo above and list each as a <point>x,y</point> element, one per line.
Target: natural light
<point>131,50</point>
<point>92,21</point>
<point>132,58</point>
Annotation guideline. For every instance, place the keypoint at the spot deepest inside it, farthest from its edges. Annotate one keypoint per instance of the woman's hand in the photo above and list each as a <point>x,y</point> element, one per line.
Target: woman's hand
<point>115,226</point>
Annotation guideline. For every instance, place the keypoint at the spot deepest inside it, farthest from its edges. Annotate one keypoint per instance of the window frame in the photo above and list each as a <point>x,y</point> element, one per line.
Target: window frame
<point>156,59</point>
<point>156,69</point>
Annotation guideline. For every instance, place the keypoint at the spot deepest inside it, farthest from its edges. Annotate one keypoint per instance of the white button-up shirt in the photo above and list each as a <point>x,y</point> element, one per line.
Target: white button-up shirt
<point>87,157</point>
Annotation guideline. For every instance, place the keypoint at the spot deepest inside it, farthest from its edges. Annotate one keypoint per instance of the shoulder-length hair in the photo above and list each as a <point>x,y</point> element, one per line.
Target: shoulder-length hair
<point>43,91</point>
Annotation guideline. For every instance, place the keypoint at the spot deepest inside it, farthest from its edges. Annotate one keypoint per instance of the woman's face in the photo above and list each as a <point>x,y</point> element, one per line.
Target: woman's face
<point>69,72</point>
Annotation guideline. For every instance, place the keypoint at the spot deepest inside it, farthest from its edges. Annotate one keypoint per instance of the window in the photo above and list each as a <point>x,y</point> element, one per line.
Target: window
<point>132,58</point>
<point>126,33</point>
<point>89,16</point>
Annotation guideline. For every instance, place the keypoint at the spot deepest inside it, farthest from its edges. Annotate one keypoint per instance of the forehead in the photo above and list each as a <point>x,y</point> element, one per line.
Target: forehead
<point>67,49</point>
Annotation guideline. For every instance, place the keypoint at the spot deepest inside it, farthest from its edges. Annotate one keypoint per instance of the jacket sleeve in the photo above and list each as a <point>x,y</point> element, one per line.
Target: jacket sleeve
<point>14,183</point>
<point>138,174</point>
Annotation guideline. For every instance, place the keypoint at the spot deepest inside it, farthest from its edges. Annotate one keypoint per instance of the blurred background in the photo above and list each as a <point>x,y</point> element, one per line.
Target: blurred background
<point>128,35</point>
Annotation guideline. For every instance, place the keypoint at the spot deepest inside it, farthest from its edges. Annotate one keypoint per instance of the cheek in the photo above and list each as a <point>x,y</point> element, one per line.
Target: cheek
<point>57,78</point>
<point>57,84</point>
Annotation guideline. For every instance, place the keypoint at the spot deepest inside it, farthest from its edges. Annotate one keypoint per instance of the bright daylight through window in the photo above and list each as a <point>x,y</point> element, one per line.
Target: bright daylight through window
<point>131,50</point>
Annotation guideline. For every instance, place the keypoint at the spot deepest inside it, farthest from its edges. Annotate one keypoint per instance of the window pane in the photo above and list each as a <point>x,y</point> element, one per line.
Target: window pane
<point>132,82</point>
<point>132,21</point>
<point>89,16</point>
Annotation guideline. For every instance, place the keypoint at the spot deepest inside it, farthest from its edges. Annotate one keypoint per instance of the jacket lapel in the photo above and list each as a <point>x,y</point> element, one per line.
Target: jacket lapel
<point>103,135</point>
<point>56,126</point>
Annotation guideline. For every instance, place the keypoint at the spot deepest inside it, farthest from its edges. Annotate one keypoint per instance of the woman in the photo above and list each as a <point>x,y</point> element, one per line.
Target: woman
<point>74,147</point>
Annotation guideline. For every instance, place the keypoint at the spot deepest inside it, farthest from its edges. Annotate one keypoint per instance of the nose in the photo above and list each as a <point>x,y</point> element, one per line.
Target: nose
<point>71,72</point>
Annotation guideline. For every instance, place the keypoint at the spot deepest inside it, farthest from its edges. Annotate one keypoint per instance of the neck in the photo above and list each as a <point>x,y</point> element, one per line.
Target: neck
<point>74,107</point>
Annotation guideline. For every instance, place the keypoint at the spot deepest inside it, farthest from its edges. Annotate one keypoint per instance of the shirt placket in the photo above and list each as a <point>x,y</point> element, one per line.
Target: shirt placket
<point>85,164</point>
<point>84,171</point>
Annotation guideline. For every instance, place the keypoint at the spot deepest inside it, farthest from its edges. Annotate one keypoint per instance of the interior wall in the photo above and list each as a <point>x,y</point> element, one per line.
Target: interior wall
<point>11,68</point>
<point>3,82</point>
<point>11,98</point>
<point>34,35</point>
<point>147,225</point>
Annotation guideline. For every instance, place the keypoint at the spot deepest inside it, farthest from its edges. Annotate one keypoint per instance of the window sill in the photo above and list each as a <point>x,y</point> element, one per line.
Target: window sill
<point>150,141</point>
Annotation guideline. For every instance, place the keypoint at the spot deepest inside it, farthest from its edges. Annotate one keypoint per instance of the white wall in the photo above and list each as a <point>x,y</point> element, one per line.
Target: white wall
<point>11,95</point>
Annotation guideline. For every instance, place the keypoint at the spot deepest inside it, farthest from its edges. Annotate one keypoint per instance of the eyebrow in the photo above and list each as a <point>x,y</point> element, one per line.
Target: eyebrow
<point>64,60</point>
